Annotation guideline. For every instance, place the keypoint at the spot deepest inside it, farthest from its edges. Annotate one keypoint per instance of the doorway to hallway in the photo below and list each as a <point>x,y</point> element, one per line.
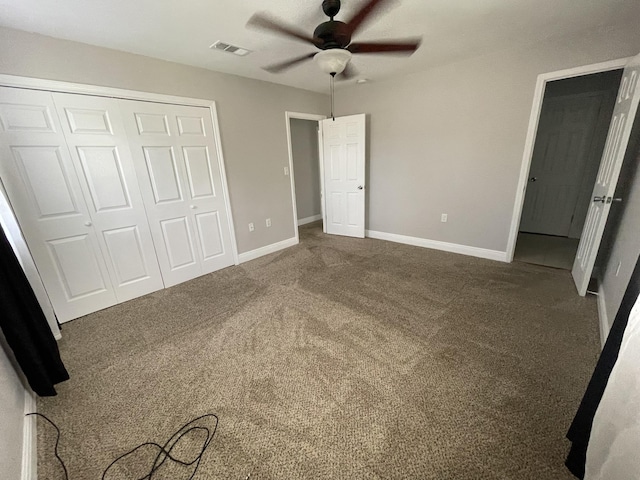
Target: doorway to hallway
<point>570,139</point>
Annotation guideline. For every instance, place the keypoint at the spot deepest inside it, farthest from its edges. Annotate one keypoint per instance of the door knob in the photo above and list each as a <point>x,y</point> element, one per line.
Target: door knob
<point>599,199</point>
<point>533,179</point>
<point>360,187</point>
<point>617,200</point>
<point>87,224</point>
<point>193,207</point>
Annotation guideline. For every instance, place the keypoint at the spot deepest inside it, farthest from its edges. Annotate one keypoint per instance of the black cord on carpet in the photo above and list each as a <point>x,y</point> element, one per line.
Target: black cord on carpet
<point>164,451</point>
<point>55,448</point>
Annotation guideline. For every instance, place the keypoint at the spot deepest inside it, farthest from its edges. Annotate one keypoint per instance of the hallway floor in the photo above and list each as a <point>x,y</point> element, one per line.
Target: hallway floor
<point>547,250</point>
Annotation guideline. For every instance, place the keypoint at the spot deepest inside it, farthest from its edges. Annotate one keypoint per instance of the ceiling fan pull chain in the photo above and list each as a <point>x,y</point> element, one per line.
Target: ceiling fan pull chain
<point>333,76</point>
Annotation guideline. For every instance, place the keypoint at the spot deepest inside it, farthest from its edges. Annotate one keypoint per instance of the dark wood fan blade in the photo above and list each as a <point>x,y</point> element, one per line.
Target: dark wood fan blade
<point>361,15</point>
<point>275,26</point>
<point>281,67</point>
<point>348,73</point>
<point>405,46</point>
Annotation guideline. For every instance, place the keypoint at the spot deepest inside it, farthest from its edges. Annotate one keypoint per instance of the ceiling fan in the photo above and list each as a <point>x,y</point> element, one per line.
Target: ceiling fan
<point>333,38</point>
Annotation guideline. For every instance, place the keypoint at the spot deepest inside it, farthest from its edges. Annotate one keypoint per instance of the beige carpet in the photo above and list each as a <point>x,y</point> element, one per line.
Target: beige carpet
<point>338,358</point>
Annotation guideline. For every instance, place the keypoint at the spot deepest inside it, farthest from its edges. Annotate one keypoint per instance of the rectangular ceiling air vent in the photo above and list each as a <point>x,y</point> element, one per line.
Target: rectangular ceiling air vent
<point>225,47</point>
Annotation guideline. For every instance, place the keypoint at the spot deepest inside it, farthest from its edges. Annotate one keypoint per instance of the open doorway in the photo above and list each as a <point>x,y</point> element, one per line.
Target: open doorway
<point>571,135</point>
<point>305,154</point>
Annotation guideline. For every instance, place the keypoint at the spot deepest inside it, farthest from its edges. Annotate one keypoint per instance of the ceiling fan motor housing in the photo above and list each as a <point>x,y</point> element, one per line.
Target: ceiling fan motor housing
<point>334,34</point>
<point>331,7</point>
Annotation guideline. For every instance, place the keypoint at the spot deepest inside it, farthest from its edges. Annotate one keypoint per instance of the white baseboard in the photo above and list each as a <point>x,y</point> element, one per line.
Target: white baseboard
<point>603,319</point>
<point>437,245</point>
<point>304,221</point>
<point>261,252</point>
<point>29,439</point>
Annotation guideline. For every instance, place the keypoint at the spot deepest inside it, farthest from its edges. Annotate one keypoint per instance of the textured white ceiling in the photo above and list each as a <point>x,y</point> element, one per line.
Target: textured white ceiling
<point>181,31</point>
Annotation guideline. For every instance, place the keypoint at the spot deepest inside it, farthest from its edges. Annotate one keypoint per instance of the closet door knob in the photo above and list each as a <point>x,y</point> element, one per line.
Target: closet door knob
<point>193,207</point>
<point>87,224</point>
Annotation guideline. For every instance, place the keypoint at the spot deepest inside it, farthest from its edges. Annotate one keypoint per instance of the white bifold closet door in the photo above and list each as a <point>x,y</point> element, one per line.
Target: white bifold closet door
<point>116,198</point>
<point>70,180</point>
<point>100,152</point>
<point>176,159</point>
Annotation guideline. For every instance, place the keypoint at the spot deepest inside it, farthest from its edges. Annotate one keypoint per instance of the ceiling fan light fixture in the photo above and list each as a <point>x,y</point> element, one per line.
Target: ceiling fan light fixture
<point>333,61</point>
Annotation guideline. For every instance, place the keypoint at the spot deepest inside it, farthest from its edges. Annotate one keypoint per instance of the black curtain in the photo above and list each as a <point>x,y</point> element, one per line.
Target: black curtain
<point>580,429</point>
<point>25,327</point>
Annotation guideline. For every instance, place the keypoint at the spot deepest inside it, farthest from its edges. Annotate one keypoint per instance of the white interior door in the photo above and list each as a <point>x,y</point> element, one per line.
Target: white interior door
<point>344,175</point>
<point>614,152</point>
<point>176,160</point>
<point>39,176</point>
<point>100,152</point>
<point>559,160</point>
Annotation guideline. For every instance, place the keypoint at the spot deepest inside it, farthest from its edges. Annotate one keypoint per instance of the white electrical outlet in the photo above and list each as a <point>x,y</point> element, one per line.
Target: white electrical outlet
<point>443,218</point>
<point>268,222</point>
<point>286,171</point>
<point>251,227</point>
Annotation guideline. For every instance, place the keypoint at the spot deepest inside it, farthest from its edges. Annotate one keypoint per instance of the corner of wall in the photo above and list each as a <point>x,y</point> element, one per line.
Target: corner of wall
<point>261,252</point>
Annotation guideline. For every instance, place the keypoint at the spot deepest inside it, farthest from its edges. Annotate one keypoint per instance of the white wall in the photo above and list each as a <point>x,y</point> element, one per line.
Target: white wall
<point>12,397</point>
<point>451,139</point>
<point>251,114</point>
<point>306,167</point>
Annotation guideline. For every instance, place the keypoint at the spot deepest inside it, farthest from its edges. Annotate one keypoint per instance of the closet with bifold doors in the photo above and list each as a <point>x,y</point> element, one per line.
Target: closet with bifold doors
<point>115,198</point>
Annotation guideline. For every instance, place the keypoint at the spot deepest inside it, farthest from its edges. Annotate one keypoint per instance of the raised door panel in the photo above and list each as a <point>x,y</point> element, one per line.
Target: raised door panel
<point>103,172</point>
<point>335,186</point>
<point>191,125</point>
<point>45,193</point>
<point>77,266</point>
<point>178,242</point>
<point>162,171</point>
<point>152,124</point>
<point>198,166</point>
<point>353,214</point>
<point>128,255</point>
<point>102,159</point>
<point>26,118</point>
<point>335,217</point>
<point>210,235</point>
<point>335,155</point>
<point>89,120</point>
<point>352,162</point>
<point>46,180</point>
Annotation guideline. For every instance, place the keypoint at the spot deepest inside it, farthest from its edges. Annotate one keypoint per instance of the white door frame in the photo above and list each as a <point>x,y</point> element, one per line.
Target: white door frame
<point>304,116</point>
<point>98,91</point>
<point>534,118</point>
